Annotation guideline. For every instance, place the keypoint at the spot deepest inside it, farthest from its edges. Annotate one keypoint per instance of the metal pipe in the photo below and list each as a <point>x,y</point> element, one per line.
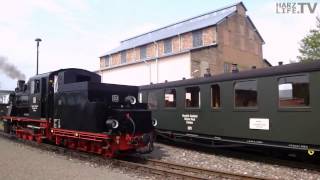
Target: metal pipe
<point>38,40</point>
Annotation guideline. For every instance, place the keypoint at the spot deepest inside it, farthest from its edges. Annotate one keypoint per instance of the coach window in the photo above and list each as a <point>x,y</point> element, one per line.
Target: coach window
<point>294,91</point>
<point>152,100</point>
<point>193,97</point>
<point>246,94</point>
<point>170,98</point>
<point>215,96</point>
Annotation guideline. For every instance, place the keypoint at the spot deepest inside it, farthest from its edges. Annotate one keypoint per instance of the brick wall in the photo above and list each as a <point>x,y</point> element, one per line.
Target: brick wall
<point>209,35</point>
<point>238,43</point>
<point>137,52</point>
<point>182,43</point>
<point>160,48</point>
<point>151,50</point>
<point>130,55</point>
<point>186,41</point>
<point>115,59</point>
<point>176,44</point>
<point>201,59</point>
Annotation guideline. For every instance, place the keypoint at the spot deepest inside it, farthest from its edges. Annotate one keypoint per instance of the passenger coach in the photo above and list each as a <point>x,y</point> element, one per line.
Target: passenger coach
<point>277,107</point>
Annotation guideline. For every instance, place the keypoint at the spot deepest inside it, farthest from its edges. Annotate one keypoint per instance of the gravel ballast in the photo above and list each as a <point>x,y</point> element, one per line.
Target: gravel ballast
<point>229,164</point>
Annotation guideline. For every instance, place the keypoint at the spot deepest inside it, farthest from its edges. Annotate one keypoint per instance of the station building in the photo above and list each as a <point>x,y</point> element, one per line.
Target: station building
<point>207,43</point>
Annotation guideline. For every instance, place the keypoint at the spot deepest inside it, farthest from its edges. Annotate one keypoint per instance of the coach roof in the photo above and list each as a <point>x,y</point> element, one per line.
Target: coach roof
<point>254,73</point>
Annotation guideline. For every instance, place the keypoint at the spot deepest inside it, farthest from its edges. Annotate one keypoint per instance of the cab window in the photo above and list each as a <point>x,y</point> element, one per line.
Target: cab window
<point>35,86</point>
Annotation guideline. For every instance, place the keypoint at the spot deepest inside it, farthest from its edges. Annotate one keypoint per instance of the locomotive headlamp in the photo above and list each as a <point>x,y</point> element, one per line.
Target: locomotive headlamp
<point>112,123</point>
<point>154,122</point>
<point>131,99</point>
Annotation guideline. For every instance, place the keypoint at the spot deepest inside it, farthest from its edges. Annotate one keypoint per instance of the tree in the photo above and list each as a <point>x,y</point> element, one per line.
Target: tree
<point>310,45</point>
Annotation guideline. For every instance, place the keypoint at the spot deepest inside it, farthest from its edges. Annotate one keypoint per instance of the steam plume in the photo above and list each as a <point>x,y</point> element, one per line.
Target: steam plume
<point>10,69</point>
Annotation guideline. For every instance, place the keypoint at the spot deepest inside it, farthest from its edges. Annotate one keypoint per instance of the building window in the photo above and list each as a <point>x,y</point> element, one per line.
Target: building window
<point>215,96</point>
<point>143,52</point>
<point>246,94</point>
<point>193,97</point>
<point>197,38</point>
<point>107,61</point>
<point>123,57</point>
<point>152,100</point>
<point>226,67</point>
<point>294,91</point>
<point>167,46</point>
<point>170,98</point>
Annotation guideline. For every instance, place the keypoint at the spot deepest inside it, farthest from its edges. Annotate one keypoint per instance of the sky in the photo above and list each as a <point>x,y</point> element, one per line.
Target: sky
<point>75,33</point>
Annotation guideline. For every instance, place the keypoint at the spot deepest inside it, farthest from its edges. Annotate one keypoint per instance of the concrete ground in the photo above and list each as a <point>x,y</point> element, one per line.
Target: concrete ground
<point>22,162</point>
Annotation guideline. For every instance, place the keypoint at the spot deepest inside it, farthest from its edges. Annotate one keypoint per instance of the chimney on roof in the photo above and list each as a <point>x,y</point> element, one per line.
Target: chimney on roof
<point>207,74</point>
<point>234,68</point>
<point>183,78</point>
<point>280,63</point>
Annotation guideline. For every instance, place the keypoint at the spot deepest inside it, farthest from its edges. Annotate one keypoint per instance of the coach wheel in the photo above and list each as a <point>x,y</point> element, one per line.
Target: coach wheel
<point>311,152</point>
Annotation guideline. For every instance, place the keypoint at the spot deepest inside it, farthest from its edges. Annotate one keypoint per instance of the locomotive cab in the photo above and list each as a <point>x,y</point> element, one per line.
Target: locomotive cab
<point>38,96</point>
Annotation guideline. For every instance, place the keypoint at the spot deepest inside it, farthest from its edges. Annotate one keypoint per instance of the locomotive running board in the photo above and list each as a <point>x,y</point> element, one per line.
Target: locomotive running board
<point>97,137</point>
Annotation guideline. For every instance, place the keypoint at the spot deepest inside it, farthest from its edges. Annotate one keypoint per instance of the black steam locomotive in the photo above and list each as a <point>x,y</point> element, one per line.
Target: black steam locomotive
<point>71,107</point>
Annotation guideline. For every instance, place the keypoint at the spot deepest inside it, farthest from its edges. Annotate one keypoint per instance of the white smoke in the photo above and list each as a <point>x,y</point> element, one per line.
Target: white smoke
<point>10,70</point>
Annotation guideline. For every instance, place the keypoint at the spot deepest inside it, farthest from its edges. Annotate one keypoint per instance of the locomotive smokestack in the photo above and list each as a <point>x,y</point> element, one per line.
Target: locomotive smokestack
<point>20,85</point>
<point>280,63</point>
<point>208,73</point>
<point>254,67</point>
<point>10,70</point>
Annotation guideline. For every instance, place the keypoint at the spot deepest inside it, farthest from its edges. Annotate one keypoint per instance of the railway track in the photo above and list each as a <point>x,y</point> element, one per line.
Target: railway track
<point>251,154</point>
<point>148,166</point>
<point>189,172</point>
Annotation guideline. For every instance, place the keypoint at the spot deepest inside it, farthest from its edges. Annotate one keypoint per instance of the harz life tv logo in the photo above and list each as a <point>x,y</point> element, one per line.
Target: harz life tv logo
<point>296,7</point>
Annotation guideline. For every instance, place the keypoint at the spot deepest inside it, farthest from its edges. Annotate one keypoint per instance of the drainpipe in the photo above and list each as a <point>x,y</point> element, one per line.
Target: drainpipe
<point>179,42</point>
<point>149,64</point>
